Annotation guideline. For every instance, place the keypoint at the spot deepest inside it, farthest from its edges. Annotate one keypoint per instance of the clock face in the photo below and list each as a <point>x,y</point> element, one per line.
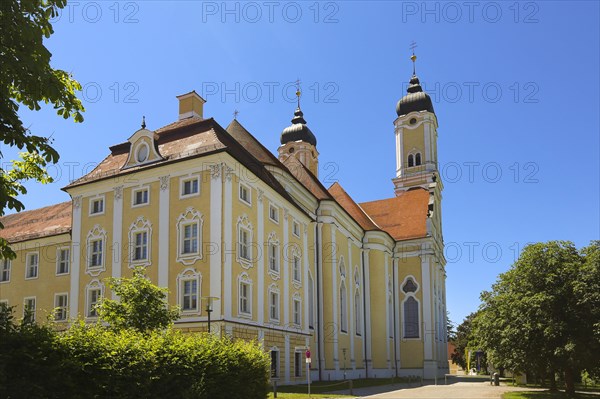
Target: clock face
<point>142,153</point>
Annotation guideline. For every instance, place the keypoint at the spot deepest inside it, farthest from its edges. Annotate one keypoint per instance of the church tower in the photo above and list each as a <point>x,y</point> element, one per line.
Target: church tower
<point>298,141</point>
<point>416,138</point>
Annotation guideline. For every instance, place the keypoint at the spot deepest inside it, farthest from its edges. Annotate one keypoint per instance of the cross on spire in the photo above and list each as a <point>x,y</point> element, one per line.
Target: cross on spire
<point>413,46</point>
<point>235,114</point>
<point>143,122</point>
<point>298,92</point>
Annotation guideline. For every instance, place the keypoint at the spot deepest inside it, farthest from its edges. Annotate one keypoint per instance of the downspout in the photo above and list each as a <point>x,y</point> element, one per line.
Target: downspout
<point>317,273</point>
<point>365,315</point>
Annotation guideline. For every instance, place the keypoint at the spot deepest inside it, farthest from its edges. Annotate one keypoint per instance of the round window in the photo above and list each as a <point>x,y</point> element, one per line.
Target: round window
<point>413,121</point>
<point>291,150</point>
<point>142,153</point>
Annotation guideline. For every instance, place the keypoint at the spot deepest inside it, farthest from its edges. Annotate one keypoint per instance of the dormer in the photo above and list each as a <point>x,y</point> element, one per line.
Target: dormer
<point>143,148</point>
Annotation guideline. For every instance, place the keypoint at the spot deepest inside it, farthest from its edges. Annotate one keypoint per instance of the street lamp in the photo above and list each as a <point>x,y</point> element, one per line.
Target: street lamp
<point>209,306</point>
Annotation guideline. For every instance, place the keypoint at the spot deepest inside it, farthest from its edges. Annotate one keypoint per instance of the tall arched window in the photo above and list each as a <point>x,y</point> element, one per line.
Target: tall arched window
<point>343,307</point>
<point>417,159</point>
<point>357,313</point>
<point>411,161</point>
<point>411,318</point>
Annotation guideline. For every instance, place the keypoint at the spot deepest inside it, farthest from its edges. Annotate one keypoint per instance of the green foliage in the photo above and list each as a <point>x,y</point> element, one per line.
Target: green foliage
<point>28,79</point>
<point>542,315</point>
<point>142,306</point>
<point>463,341</point>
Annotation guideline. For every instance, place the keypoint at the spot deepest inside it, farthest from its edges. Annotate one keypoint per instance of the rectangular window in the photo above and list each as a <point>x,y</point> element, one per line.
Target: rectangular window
<point>274,364</point>
<point>245,194</point>
<point>296,228</point>
<point>62,261</point>
<point>29,309</point>
<point>297,364</point>
<point>274,257</point>
<point>274,306</point>
<point>140,197</point>
<point>93,298</point>
<point>32,265</point>
<point>189,295</point>
<point>297,313</point>
<point>296,269</point>
<point>190,187</point>
<point>244,244</point>
<point>140,251</point>
<point>4,270</point>
<point>96,252</point>
<point>61,306</point>
<point>190,239</point>
<point>97,206</point>
<point>245,298</point>
<point>274,213</point>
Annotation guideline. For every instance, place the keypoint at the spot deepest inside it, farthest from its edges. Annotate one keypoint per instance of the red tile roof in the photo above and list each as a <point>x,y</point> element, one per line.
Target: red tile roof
<point>43,222</point>
<point>403,217</point>
<point>346,202</point>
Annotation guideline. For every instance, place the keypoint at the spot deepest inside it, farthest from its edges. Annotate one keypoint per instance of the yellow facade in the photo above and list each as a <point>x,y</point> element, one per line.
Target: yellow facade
<point>288,268</point>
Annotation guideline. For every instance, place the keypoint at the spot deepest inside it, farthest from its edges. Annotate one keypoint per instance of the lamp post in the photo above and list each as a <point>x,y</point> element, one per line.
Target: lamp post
<point>209,307</point>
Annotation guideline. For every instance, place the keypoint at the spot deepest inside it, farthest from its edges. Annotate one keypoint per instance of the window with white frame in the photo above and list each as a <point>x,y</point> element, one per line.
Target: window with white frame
<point>296,269</point>
<point>190,186</point>
<point>32,267</point>
<point>140,196</point>
<point>63,257</point>
<point>189,236</point>
<point>274,305</point>
<point>297,311</point>
<point>274,257</point>
<point>244,241</point>
<point>297,364</point>
<point>274,363</point>
<point>273,213</point>
<point>29,310</point>
<point>97,206</point>
<point>94,294</point>
<point>296,228</point>
<point>5,270</point>
<point>245,296</point>
<point>417,159</point>
<point>343,307</point>
<point>245,193</point>
<point>189,295</point>
<point>96,252</point>
<point>61,307</point>
<point>410,309</point>
<point>140,245</point>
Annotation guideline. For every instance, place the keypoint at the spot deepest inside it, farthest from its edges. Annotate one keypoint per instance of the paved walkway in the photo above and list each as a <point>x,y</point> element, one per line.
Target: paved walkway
<point>477,389</point>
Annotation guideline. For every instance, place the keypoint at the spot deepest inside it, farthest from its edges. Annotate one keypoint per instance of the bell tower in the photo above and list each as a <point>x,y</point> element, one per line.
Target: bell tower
<point>416,138</point>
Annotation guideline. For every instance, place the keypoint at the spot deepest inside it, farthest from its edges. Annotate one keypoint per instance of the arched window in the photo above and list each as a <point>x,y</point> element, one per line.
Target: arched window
<point>357,313</point>
<point>409,286</point>
<point>343,307</point>
<point>411,161</point>
<point>411,318</point>
<point>417,159</point>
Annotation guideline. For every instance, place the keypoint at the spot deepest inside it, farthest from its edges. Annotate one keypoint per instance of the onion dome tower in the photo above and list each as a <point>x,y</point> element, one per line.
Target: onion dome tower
<point>298,141</point>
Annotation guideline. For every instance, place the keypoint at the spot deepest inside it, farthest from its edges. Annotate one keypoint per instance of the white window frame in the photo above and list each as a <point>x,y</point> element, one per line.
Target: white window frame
<point>296,228</point>
<point>189,274</point>
<point>244,225</point>
<point>247,201</point>
<point>186,179</point>
<point>277,363</point>
<point>244,280</point>
<point>136,154</point>
<point>343,292</point>
<point>189,217</point>
<point>273,241</point>
<point>5,267</point>
<point>273,213</point>
<point>64,308</point>
<point>139,226</point>
<point>60,261</point>
<point>134,192</point>
<point>97,198</point>
<point>25,307</point>
<point>28,265</point>
<point>297,312</point>
<point>408,295</point>
<point>93,286</point>
<point>296,268</point>
<point>274,291</point>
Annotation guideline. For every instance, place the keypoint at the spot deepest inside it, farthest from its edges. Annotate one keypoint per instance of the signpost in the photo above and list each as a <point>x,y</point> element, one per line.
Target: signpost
<point>308,360</point>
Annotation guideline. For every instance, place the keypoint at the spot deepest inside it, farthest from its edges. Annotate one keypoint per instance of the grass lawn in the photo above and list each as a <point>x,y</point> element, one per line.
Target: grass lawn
<point>546,395</point>
<point>319,389</point>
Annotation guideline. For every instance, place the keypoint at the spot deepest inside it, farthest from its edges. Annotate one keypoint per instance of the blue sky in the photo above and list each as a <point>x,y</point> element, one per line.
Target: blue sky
<point>515,87</point>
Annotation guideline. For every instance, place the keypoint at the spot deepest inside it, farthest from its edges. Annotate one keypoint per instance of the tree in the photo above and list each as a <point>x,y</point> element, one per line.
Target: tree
<point>28,79</point>
<point>461,342</point>
<point>142,305</point>
<point>540,314</point>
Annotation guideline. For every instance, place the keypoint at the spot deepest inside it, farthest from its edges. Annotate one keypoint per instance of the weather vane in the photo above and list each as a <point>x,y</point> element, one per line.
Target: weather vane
<point>298,91</point>
<point>413,46</point>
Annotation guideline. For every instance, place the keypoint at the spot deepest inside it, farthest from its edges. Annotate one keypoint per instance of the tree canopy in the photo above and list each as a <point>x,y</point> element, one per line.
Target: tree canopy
<point>28,79</point>
<point>543,314</point>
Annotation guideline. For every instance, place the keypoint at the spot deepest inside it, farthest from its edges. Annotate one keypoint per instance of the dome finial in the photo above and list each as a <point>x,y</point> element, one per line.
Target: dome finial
<point>413,58</point>
<point>143,122</point>
<point>298,91</point>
